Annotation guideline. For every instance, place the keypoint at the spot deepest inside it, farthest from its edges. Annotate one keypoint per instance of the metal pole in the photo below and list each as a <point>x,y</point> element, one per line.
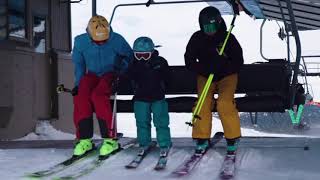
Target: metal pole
<point>147,4</point>
<point>306,72</point>
<point>94,7</point>
<point>261,34</point>
<point>288,45</point>
<point>287,30</point>
<point>295,33</point>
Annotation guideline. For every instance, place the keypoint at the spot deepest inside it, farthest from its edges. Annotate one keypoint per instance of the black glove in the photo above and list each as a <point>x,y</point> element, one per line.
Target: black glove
<point>118,63</point>
<point>74,91</point>
<point>115,84</point>
<point>200,69</point>
<point>155,65</point>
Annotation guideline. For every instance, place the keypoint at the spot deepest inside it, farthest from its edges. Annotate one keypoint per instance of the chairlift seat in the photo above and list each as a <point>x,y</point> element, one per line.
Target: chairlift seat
<point>264,84</point>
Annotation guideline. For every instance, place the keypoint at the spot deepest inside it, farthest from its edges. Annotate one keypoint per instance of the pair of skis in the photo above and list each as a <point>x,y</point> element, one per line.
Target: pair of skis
<point>87,168</point>
<point>161,164</point>
<point>91,166</point>
<point>74,159</point>
<point>227,168</point>
<point>61,166</point>
<point>187,166</point>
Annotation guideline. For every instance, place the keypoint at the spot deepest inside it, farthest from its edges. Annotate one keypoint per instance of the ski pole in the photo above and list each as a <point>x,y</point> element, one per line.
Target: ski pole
<point>195,113</point>
<point>113,123</point>
<point>114,110</point>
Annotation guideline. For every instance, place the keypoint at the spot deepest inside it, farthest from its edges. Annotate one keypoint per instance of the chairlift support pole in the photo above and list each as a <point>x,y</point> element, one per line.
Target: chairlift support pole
<point>94,7</point>
<point>305,73</point>
<point>288,43</point>
<point>287,30</point>
<point>261,39</point>
<point>294,30</point>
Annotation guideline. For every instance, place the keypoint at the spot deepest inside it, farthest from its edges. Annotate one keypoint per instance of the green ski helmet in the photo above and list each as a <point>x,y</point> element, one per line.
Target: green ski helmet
<point>143,44</point>
<point>210,20</point>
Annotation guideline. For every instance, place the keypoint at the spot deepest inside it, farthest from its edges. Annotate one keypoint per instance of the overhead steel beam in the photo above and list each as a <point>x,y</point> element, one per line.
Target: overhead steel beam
<point>151,2</point>
<point>94,7</point>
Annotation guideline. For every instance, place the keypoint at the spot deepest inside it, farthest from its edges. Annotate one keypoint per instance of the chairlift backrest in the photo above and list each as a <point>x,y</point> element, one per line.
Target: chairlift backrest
<point>266,86</point>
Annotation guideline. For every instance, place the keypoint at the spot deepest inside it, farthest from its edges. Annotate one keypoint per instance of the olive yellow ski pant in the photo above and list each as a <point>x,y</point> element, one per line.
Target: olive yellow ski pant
<point>226,108</point>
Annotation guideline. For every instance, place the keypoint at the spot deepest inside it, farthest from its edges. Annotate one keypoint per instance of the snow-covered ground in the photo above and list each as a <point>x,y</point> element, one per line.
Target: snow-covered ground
<point>258,158</point>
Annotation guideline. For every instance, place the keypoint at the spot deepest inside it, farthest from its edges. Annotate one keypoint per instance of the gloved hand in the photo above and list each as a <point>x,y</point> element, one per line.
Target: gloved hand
<point>118,63</point>
<point>115,84</point>
<point>200,69</point>
<point>155,65</point>
<point>74,91</point>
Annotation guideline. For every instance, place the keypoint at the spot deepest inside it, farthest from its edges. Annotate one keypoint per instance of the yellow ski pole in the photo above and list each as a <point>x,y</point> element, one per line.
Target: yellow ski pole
<point>203,96</point>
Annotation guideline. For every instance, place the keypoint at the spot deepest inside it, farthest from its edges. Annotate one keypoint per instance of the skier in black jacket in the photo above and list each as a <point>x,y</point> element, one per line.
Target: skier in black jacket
<point>202,57</point>
<point>150,72</point>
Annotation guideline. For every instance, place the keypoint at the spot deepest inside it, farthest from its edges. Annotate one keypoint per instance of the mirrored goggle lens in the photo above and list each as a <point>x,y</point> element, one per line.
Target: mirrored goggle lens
<point>142,55</point>
<point>210,28</point>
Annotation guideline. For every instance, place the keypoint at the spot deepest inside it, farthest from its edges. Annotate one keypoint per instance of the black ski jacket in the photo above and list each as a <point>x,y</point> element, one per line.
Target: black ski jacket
<point>202,54</point>
<point>149,78</point>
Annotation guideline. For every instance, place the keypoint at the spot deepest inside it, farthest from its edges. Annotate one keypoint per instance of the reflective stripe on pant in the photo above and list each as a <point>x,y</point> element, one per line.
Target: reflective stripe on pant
<point>93,96</point>
<point>226,108</point>
<point>160,113</point>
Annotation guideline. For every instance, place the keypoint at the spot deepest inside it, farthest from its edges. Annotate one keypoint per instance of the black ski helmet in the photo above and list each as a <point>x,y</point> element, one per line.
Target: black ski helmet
<point>210,19</point>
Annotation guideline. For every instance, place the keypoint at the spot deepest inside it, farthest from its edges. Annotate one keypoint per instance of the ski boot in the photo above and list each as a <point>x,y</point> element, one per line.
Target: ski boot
<point>164,151</point>
<point>228,166</point>
<point>162,162</point>
<point>108,147</point>
<point>145,149</point>
<point>202,146</point>
<point>82,147</point>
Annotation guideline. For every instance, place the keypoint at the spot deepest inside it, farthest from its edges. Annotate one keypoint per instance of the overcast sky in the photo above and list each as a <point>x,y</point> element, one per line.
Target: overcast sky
<point>172,25</point>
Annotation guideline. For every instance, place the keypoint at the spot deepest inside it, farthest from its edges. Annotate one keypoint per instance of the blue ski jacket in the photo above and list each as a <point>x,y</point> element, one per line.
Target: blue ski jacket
<point>100,59</point>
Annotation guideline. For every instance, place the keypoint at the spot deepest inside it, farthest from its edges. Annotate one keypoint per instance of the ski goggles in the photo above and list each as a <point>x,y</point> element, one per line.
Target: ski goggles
<point>142,55</point>
<point>210,28</point>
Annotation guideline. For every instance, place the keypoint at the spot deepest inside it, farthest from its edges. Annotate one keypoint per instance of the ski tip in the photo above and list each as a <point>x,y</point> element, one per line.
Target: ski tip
<point>179,173</point>
<point>32,176</point>
<point>63,178</point>
<point>159,168</point>
<point>130,167</point>
<point>225,176</point>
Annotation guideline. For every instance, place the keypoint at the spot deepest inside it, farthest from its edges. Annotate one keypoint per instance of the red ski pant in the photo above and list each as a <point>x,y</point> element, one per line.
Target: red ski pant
<point>93,96</point>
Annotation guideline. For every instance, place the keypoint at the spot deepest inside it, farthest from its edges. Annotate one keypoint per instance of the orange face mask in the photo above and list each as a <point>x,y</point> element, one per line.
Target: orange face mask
<point>98,28</point>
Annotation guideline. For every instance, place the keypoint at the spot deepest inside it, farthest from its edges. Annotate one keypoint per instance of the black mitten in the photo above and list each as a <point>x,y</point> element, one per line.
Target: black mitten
<point>74,91</point>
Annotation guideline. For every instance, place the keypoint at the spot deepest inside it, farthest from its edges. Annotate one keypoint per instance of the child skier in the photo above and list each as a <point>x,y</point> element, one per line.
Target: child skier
<point>149,73</point>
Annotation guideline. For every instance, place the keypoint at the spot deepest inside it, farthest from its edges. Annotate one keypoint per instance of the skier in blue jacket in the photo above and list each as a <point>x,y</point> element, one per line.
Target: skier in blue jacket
<point>97,55</point>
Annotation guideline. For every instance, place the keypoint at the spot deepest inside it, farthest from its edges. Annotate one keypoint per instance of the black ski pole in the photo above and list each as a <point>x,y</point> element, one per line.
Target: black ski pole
<point>115,87</point>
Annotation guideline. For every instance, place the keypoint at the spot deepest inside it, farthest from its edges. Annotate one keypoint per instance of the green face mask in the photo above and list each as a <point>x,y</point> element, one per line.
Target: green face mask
<point>210,28</point>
